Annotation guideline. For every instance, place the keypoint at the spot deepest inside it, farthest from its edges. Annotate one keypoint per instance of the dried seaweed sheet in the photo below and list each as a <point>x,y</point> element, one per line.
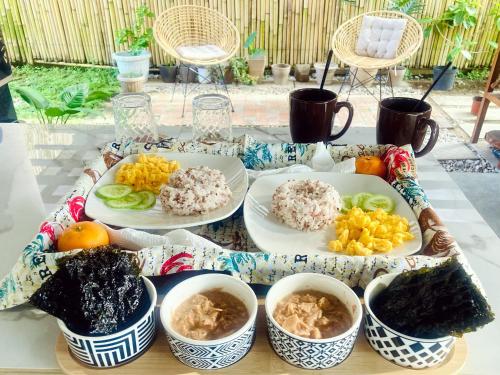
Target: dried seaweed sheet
<point>94,292</point>
<point>433,302</point>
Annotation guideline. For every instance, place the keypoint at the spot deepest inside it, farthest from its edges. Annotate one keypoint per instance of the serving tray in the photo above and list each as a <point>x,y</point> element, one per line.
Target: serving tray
<point>261,359</point>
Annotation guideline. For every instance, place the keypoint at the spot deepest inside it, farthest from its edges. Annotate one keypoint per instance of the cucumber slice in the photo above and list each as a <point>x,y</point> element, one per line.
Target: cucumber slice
<point>113,191</point>
<point>128,201</point>
<point>346,203</point>
<point>148,200</point>
<point>379,201</point>
<point>359,199</point>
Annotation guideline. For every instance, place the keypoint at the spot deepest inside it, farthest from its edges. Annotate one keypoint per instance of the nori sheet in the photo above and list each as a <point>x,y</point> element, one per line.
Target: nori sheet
<point>95,292</point>
<point>433,302</point>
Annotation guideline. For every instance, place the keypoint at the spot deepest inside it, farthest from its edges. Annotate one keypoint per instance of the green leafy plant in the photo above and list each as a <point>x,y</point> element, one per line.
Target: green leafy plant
<point>409,7</point>
<point>474,74</point>
<point>71,102</point>
<point>458,17</point>
<point>495,13</point>
<point>239,67</point>
<point>250,46</point>
<point>138,36</point>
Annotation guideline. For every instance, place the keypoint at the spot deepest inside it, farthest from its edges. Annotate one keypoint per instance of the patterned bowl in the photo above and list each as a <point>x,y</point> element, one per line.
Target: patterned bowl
<point>312,353</point>
<point>209,354</point>
<point>120,347</point>
<point>396,347</point>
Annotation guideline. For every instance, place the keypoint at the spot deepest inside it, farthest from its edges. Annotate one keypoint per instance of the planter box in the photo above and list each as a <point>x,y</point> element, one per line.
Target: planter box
<point>128,63</point>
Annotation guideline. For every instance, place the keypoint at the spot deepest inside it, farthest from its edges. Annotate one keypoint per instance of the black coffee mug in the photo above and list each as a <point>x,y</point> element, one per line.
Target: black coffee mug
<point>399,124</point>
<point>311,115</point>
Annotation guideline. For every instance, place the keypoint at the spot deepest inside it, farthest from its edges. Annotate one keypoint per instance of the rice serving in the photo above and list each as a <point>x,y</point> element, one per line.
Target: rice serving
<point>307,205</point>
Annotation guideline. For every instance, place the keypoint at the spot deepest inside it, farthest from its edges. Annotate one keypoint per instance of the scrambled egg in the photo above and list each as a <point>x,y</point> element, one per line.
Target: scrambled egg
<point>147,173</point>
<point>363,233</point>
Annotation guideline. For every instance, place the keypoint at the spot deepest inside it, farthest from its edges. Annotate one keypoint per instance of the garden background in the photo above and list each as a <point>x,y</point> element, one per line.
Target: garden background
<point>291,31</point>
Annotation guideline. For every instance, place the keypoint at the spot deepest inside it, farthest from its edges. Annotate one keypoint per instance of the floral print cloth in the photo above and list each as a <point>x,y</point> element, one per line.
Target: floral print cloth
<point>228,246</point>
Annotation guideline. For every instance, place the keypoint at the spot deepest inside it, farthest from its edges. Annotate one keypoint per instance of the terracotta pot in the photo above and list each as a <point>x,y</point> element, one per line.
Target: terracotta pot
<point>256,66</point>
<point>228,75</point>
<point>131,84</point>
<point>281,73</point>
<point>397,75</point>
<point>302,72</point>
<point>476,103</point>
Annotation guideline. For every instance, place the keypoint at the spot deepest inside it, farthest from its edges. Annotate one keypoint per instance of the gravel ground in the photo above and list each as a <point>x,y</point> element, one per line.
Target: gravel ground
<point>468,165</point>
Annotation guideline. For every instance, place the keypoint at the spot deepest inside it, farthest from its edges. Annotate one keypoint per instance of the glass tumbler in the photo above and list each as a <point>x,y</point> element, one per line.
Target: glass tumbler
<point>134,118</point>
<point>212,118</point>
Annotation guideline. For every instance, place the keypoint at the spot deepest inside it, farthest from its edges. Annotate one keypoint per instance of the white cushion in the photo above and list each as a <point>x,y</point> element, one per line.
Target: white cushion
<point>203,52</point>
<point>380,37</point>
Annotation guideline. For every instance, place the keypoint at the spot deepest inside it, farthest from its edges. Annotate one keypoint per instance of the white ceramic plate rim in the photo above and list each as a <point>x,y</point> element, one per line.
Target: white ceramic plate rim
<point>94,206</point>
<point>262,243</point>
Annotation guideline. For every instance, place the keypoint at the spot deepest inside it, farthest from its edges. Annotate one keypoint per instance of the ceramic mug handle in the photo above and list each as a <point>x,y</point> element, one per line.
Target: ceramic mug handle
<point>336,109</point>
<point>433,137</point>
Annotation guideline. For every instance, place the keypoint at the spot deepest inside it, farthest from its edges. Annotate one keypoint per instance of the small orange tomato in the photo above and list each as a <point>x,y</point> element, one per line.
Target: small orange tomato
<point>82,235</point>
<point>371,165</point>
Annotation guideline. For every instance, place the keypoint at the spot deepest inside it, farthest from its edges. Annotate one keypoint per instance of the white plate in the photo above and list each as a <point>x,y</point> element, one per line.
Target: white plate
<point>271,235</point>
<point>156,218</point>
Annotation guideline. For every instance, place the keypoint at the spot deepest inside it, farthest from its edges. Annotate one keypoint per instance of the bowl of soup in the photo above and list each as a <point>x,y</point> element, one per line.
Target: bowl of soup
<point>312,320</point>
<point>209,320</point>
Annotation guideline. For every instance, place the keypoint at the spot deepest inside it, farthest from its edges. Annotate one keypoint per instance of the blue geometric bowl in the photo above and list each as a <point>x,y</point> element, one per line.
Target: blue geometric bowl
<point>209,354</point>
<point>312,353</point>
<point>401,349</point>
<point>119,348</point>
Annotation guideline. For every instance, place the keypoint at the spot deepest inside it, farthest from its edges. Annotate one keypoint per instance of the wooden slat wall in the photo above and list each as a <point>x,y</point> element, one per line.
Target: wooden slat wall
<point>292,31</point>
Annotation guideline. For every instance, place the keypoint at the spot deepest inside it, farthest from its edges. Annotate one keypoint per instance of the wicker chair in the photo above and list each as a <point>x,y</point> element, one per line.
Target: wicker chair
<point>192,25</point>
<point>345,38</point>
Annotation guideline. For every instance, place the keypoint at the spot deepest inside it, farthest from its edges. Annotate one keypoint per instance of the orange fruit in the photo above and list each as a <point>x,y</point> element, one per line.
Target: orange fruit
<point>82,235</point>
<point>371,165</point>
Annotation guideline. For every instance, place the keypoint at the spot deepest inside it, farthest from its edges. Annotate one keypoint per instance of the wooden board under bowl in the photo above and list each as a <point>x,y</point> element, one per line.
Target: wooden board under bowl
<point>260,360</point>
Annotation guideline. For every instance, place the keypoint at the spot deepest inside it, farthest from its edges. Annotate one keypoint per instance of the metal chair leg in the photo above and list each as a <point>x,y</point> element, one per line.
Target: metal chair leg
<point>343,82</point>
<point>225,86</point>
<point>352,83</point>
<point>185,96</point>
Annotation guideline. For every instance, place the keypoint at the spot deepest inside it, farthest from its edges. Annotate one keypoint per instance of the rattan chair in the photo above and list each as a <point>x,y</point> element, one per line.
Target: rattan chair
<point>345,38</point>
<point>192,25</point>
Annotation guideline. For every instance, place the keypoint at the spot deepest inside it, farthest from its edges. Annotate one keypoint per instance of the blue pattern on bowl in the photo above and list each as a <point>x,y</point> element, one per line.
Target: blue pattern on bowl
<point>118,348</point>
<point>310,355</point>
<point>212,356</point>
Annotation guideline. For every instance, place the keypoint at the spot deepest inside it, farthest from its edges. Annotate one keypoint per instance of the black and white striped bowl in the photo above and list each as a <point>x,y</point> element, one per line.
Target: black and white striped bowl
<point>401,349</point>
<point>312,353</point>
<point>210,354</point>
<point>118,348</point>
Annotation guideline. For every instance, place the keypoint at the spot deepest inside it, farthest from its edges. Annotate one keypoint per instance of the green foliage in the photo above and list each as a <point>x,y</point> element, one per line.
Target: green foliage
<point>46,85</point>
<point>409,7</point>
<point>138,36</point>
<point>239,67</point>
<point>495,13</point>
<point>459,16</point>
<point>72,100</point>
<point>474,75</point>
<point>250,45</point>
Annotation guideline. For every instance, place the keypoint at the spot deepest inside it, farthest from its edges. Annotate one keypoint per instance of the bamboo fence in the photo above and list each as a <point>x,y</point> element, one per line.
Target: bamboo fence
<point>291,31</point>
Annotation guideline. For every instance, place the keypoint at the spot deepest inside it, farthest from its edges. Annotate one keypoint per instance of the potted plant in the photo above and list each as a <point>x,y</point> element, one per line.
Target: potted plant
<point>281,73</point>
<point>256,57</point>
<point>458,17</point>
<point>168,72</point>
<point>240,69</point>
<point>138,37</point>
<point>301,72</point>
